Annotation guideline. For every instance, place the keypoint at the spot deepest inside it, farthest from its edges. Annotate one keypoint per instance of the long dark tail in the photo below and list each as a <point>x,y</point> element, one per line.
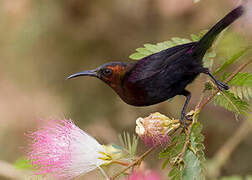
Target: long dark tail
<point>207,40</point>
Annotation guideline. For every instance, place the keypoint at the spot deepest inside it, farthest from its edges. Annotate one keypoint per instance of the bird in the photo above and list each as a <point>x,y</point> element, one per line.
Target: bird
<point>165,74</point>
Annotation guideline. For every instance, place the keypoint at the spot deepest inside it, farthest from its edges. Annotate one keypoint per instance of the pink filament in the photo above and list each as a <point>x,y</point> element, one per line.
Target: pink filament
<point>50,151</point>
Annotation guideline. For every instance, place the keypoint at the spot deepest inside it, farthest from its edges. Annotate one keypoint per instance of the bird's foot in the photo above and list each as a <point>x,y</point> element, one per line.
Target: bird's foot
<point>182,120</point>
<point>222,86</point>
<point>188,117</point>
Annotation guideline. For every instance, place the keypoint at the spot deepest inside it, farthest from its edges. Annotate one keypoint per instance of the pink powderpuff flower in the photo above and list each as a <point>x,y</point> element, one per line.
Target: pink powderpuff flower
<point>154,129</point>
<point>148,175</point>
<point>61,150</point>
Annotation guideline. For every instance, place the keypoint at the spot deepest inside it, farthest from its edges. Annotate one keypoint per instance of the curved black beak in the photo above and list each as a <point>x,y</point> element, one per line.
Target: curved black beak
<point>84,73</point>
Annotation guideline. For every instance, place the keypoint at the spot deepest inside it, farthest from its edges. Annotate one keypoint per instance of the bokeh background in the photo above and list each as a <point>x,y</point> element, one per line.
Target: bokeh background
<point>44,41</point>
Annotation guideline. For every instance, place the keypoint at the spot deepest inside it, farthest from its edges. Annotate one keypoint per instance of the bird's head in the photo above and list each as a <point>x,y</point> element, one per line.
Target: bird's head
<point>111,73</point>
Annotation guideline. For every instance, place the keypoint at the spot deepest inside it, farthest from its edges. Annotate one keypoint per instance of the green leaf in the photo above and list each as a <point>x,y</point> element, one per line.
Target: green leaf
<point>242,79</point>
<point>200,146</point>
<point>206,62</point>
<point>195,37</point>
<point>180,138</point>
<point>230,61</point>
<point>143,51</point>
<point>23,164</point>
<point>197,128</point>
<point>179,148</point>
<point>162,45</point>
<point>192,170</point>
<point>232,103</point>
<point>208,58</point>
<point>241,85</point>
<point>149,49</point>
<point>201,156</point>
<point>179,41</point>
<point>211,54</point>
<point>165,163</point>
<point>194,155</point>
<point>176,177</point>
<point>196,140</point>
<point>202,33</point>
<point>174,172</point>
<point>172,151</point>
<point>152,48</point>
<point>200,138</point>
<point>137,56</point>
<point>163,154</point>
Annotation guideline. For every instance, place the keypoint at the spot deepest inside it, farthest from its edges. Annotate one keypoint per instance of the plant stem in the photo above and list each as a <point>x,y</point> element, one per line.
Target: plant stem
<point>181,155</point>
<point>123,163</point>
<point>134,163</point>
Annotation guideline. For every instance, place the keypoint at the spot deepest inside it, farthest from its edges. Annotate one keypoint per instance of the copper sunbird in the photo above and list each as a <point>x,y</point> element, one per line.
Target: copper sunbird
<point>163,75</point>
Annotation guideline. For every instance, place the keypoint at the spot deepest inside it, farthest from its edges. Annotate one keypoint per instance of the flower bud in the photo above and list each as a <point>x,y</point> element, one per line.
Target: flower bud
<point>154,129</point>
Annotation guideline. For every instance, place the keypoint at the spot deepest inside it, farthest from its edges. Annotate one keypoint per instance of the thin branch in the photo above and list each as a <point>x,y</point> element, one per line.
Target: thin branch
<point>187,142</point>
<point>134,163</point>
<point>239,69</point>
<point>120,162</point>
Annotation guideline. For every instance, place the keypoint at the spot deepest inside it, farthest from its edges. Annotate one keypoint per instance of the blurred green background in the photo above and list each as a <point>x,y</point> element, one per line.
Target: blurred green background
<point>44,41</point>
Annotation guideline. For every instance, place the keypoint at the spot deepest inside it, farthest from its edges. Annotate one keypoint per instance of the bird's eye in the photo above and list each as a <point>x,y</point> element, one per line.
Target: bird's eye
<point>106,72</point>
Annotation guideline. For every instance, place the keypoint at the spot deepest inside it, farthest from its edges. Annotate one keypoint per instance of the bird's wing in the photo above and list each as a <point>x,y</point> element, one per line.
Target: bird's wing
<point>154,63</point>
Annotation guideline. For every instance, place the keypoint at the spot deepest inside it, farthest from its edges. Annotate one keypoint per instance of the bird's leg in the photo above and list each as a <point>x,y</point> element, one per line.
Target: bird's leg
<point>187,94</point>
<point>219,84</point>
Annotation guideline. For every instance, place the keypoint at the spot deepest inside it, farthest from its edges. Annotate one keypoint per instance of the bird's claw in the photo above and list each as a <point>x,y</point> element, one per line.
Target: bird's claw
<point>188,117</point>
<point>222,85</point>
<point>182,120</point>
